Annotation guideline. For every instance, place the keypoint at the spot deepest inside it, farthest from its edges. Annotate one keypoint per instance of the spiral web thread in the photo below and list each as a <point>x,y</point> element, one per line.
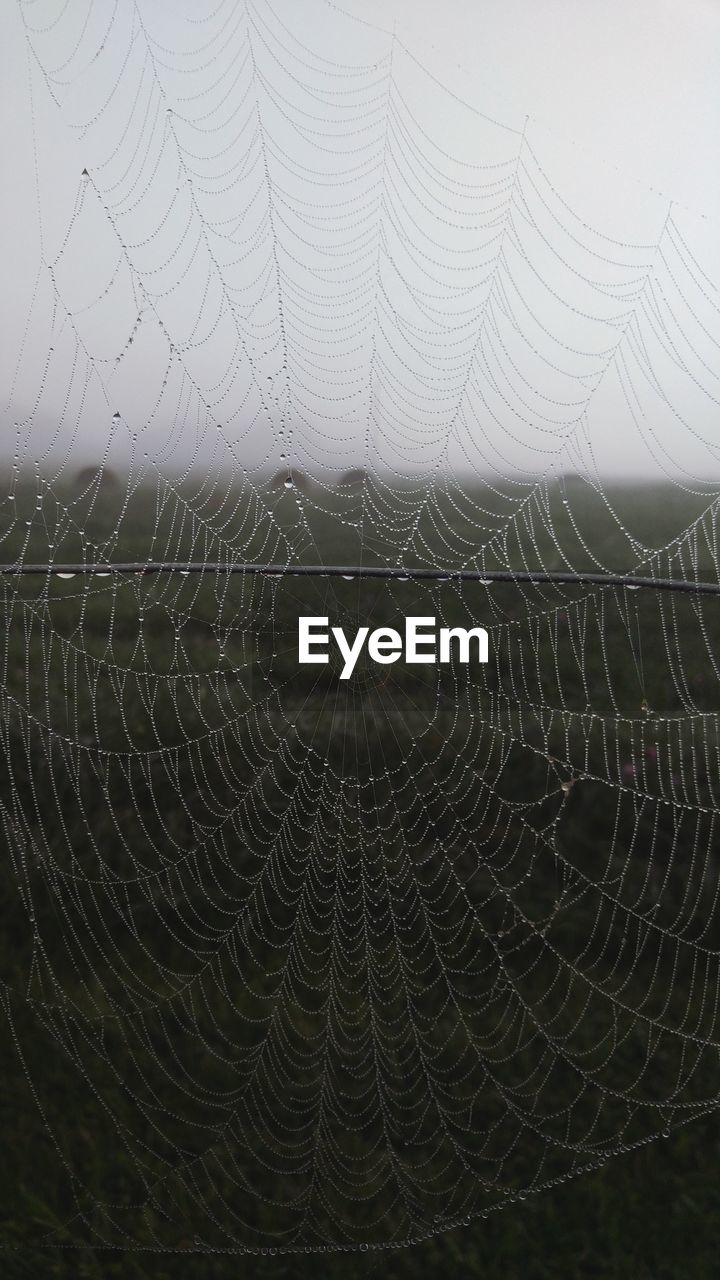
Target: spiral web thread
<point>324,964</point>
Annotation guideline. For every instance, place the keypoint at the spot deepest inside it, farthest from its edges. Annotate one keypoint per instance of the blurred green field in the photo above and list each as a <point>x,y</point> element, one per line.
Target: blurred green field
<point>593,730</point>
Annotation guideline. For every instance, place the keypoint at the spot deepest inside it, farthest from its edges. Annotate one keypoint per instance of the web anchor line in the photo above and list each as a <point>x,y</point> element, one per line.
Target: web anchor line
<point>356,571</point>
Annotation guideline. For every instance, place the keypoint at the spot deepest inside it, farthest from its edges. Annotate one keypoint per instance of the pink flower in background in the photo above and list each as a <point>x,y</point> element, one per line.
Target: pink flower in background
<point>628,771</point>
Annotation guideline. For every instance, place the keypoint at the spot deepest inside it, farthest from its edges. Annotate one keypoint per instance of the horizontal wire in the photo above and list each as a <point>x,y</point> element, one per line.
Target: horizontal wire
<point>632,581</point>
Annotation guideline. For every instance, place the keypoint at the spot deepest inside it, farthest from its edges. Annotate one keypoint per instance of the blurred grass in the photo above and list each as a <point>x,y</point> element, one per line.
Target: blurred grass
<point>225,646</point>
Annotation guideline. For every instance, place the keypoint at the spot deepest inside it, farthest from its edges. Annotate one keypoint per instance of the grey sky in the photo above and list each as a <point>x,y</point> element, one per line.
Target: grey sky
<point>623,104</point>
<point>636,84</point>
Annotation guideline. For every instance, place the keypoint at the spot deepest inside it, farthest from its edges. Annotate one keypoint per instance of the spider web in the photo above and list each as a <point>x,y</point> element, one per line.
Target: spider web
<point>326,964</point>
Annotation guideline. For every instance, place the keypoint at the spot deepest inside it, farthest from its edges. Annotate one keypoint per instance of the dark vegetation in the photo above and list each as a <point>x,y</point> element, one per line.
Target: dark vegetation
<point>569,790</point>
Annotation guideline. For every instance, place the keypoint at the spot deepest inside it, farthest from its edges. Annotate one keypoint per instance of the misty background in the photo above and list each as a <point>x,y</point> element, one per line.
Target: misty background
<point>315,237</point>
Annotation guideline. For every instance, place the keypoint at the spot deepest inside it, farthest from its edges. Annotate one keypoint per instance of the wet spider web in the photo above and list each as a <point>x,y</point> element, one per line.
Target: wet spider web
<point>327,965</point>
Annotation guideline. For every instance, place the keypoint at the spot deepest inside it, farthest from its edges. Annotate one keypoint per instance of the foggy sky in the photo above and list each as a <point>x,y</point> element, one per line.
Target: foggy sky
<point>389,355</point>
